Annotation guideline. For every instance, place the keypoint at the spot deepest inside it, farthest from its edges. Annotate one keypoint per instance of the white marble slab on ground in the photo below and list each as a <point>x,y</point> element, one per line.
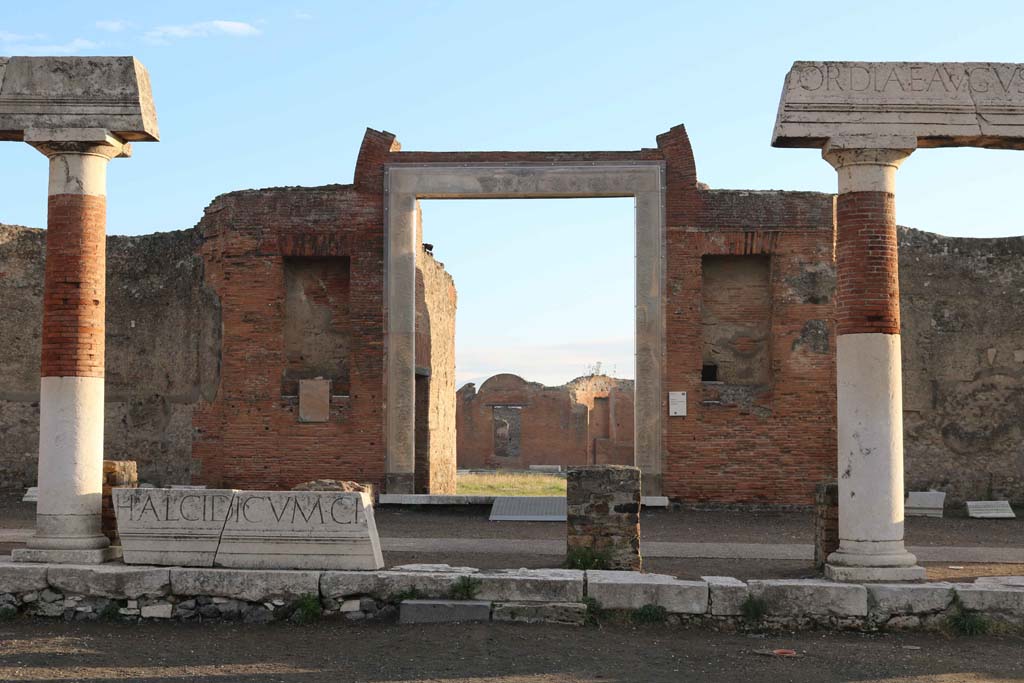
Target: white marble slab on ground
<point>990,509</point>
<point>924,504</point>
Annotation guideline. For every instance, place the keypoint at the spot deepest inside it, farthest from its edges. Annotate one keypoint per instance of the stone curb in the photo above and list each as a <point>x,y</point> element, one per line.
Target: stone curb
<point>531,596</point>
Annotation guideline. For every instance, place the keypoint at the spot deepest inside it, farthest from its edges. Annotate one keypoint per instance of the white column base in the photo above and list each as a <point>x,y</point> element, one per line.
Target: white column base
<point>93,556</point>
<point>867,574</point>
<point>68,513</point>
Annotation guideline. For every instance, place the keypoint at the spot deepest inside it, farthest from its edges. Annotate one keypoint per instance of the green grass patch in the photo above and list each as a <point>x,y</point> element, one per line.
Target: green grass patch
<point>753,609</point>
<point>586,558</point>
<point>306,609</point>
<point>411,593</point>
<point>595,613</point>
<point>649,614</point>
<point>465,588</point>
<point>964,623</point>
<point>510,484</point>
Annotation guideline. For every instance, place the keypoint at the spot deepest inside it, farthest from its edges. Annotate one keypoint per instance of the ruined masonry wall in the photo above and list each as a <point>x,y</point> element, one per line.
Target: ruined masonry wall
<point>162,350</point>
<point>196,352</point>
<point>435,352</point>
<point>962,309</point>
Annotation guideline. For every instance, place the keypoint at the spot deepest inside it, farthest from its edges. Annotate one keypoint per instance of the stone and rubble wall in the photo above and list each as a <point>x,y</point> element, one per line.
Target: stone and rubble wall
<point>962,305</point>
<point>87,593</point>
<point>603,518</point>
<point>162,351</point>
<point>436,300</point>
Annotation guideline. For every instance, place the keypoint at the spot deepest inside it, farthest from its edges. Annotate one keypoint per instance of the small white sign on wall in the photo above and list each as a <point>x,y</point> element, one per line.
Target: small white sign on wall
<point>676,403</point>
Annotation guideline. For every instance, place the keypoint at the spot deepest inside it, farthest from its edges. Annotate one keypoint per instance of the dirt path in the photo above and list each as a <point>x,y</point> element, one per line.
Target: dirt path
<point>491,653</point>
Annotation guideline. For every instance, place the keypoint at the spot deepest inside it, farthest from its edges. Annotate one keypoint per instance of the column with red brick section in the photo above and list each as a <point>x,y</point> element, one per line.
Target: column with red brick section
<point>68,515</point>
<point>869,379</point>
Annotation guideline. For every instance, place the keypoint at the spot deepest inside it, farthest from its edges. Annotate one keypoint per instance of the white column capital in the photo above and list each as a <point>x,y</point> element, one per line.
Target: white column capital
<point>866,169</point>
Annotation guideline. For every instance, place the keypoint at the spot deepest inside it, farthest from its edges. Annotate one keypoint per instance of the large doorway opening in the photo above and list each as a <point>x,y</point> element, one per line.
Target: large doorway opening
<point>407,184</point>
<point>544,343</point>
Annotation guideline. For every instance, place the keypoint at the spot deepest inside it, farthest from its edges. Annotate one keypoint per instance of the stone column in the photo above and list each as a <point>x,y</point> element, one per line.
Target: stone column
<point>68,513</point>
<point>869,379</point>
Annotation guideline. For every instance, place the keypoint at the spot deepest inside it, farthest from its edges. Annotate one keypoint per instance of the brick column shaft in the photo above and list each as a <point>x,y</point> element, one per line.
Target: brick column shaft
<point>68,514</point>
<point>869,375</point>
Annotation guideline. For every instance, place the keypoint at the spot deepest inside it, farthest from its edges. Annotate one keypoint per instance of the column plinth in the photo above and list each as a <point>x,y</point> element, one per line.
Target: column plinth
<point>868,368</point>
<point>68,514</point>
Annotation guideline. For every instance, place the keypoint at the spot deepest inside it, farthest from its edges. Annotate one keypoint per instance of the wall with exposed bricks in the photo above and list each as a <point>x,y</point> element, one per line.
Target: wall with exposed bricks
<point>583,422</point>
<point>196,346</point>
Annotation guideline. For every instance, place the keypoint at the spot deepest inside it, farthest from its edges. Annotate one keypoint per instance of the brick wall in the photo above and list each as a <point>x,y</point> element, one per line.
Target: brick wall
<point>587,420</point>
<point>737,446</point>
<point>175,385</point>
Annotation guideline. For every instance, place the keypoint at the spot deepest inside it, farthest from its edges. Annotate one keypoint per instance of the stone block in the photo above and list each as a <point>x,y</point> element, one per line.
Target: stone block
<point>171,527</point>
<point>909,598</point>
<point>350,606</point>
<point>388,584</point>
<point>162,610</point>
<point>990,509</point>
<point>924,504</point>
<point>604,513</point>
<point>22,578</point>
<point>248,529</point>
<point>574,613</point>
<point>443,611</point>
<point>799,597</point>
<point>47,556</point>
<point>1008,600</point>
<point>822,100</point>
<point>314,400</point>
<point>339,585</point>
<point>632,590</point>
<point>726,595</point>
<point>1001,581</point>
<point>852,574</point>
<point>109,93</point>
<point>531,585</point>
<point>244,584</point>
<point>433,568</point>
<point>110,580</point>
<point>301,530</point>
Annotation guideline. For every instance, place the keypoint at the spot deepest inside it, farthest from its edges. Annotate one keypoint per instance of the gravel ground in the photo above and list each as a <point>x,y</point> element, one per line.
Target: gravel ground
<point>657,525</point>
<point>693,527</point>
<point>36,650</point>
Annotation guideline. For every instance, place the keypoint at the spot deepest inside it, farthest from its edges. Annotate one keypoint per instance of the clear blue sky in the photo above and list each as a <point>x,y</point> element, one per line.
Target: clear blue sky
<point>258,94</point>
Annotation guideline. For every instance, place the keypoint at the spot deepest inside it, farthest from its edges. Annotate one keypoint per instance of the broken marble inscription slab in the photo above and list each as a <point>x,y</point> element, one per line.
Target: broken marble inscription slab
<point>248,529</point>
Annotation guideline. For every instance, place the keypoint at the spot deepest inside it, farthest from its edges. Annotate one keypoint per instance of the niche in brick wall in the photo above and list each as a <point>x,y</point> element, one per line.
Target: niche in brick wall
<point>507,425</point>
<point>736,308</point>
<point>317,326</point>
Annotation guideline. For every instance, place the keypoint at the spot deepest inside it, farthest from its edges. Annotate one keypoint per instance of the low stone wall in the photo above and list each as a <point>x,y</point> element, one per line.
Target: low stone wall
<point>604,516</point>
<point>113,591</point>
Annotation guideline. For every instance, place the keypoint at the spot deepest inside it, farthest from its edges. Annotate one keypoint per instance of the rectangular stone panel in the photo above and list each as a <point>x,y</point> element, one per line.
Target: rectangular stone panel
<point>946,104</point>
<point>169,527</point>
<point>924,504</point>
<point>300,530</point>
<point>989,509</point>
<point>314,400</point>
<point>248,529</point>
